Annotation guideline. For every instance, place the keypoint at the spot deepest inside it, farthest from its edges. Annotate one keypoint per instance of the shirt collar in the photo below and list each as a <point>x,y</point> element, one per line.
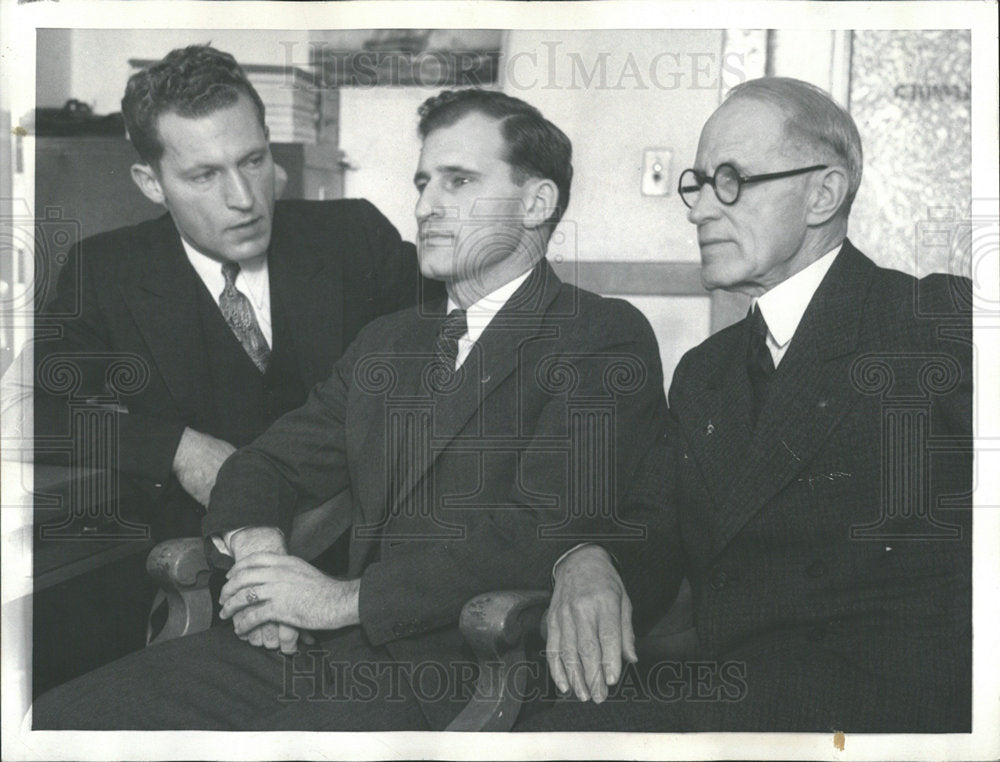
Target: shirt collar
<point>252,279</point>
<point>481,313</point>
<point>785,304</point>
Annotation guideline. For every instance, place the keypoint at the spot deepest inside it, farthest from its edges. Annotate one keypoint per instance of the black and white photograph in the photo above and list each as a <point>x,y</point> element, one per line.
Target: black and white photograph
<point>499,380</point>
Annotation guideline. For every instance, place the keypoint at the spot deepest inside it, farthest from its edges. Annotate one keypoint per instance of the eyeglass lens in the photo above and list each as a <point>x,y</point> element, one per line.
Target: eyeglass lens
<point>726,183</point>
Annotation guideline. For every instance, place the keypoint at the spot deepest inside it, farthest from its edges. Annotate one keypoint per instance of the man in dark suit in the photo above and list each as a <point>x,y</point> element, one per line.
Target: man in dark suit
<point>478,440</point>
<point>815,475</point>
<point>227,309</point>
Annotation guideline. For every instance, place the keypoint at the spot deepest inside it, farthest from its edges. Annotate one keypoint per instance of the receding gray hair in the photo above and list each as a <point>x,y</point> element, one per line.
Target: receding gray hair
<point>814,119</point>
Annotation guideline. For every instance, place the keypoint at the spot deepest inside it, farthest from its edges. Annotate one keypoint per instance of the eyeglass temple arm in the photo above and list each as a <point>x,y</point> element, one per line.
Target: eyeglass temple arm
<point>778,175</point>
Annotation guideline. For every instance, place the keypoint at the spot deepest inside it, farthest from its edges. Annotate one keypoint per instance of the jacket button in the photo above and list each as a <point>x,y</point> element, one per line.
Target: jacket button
<point>719,580</point>
<point>816,569</point>
<point>816,633</point>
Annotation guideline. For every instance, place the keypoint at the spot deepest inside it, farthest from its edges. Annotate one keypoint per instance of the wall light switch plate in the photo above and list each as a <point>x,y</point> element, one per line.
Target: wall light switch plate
<point>656,171</point>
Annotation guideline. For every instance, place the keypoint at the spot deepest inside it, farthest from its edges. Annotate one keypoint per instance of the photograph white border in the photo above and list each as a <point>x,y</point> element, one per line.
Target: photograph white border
<point>17,56</point>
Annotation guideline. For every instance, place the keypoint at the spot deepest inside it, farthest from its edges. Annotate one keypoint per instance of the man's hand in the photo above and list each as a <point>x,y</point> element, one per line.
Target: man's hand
<point>197,462</point>
<point>271,635</point>
<point>589,624</point>
<point>273,587</point>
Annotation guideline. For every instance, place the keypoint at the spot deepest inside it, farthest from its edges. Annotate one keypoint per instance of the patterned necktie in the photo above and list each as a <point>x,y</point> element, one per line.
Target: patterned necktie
<point>760,364</point>
<point>238,312</point>
<point>452,329</point>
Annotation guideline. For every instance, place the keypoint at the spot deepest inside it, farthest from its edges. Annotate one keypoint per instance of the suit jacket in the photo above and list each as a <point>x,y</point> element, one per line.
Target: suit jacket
<point>829,547</point>
<point>132,293</point>
<point>469,482</point>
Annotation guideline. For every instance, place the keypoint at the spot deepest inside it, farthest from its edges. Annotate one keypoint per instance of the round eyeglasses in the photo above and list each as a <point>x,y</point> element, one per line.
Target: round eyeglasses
<point>727,182</point>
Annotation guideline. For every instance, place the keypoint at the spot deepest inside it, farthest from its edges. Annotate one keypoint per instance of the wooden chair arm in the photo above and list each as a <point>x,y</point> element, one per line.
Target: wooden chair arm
<point>495,625</point>
<point>180,568</point>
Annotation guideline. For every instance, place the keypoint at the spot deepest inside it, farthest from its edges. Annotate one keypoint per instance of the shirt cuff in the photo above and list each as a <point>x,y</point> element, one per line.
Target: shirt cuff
<point>564,556</point>
<point>224,542</point>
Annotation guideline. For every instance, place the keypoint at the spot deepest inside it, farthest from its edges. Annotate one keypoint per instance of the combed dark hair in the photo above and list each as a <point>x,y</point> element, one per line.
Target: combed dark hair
<point>534,146</point>
<point>191,82</point>
<point>814,119</point>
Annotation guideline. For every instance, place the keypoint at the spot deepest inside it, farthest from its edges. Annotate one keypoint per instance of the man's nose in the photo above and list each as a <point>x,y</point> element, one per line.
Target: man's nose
<point>705,207</point>
<point>239,193</point>
<point>426,204</point>
<point>429,204</point>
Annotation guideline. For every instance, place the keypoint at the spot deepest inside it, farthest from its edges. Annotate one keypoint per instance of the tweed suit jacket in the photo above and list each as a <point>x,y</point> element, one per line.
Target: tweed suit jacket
<point>132,293</point>
<point>484,494</point>
<point>829,547</point>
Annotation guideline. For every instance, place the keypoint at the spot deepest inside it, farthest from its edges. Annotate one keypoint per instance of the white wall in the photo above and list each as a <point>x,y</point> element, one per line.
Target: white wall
<point>378,134</point>
<point>96,60</point>
<point>616,93</point>
<point>655,90</point>
<point>648,96</point>
<point>53,70</point>
<point>679,323</point>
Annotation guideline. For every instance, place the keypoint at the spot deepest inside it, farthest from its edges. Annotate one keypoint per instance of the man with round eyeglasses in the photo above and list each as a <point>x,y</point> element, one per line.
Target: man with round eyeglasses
<point>727,182</point>
<point>826,538</point>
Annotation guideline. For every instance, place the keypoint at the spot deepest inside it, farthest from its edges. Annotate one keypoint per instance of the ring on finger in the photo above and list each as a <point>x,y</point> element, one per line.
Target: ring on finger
<point>252,596</point>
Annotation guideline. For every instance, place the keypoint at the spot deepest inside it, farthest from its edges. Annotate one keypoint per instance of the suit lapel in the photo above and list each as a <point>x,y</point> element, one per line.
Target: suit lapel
<point>810,392</point>
<point>493,359</point>
<point>716,417</point>
<point>307,286</point>
<point>405,352</point>
<point>162,294</point>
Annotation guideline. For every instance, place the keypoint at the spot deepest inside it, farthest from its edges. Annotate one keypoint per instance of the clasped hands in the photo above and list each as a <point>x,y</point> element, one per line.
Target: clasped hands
<point>589,625</point>
<point>274,598</point>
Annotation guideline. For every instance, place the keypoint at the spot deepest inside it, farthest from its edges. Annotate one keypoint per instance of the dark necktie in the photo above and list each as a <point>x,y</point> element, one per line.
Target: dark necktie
<point>452,329</point>
<point>760,364</point>
<point>238,312</point>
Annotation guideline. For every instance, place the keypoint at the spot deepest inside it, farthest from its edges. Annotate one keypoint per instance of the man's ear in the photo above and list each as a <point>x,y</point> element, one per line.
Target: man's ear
<point>541,197</point>
<point>828,191</point>
<point>145,177</point>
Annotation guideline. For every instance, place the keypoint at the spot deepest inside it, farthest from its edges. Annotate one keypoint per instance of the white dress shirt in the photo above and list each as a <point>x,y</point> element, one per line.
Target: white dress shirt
<point>252,281</point>
<point>481,314</point>
<point>785,304</point>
